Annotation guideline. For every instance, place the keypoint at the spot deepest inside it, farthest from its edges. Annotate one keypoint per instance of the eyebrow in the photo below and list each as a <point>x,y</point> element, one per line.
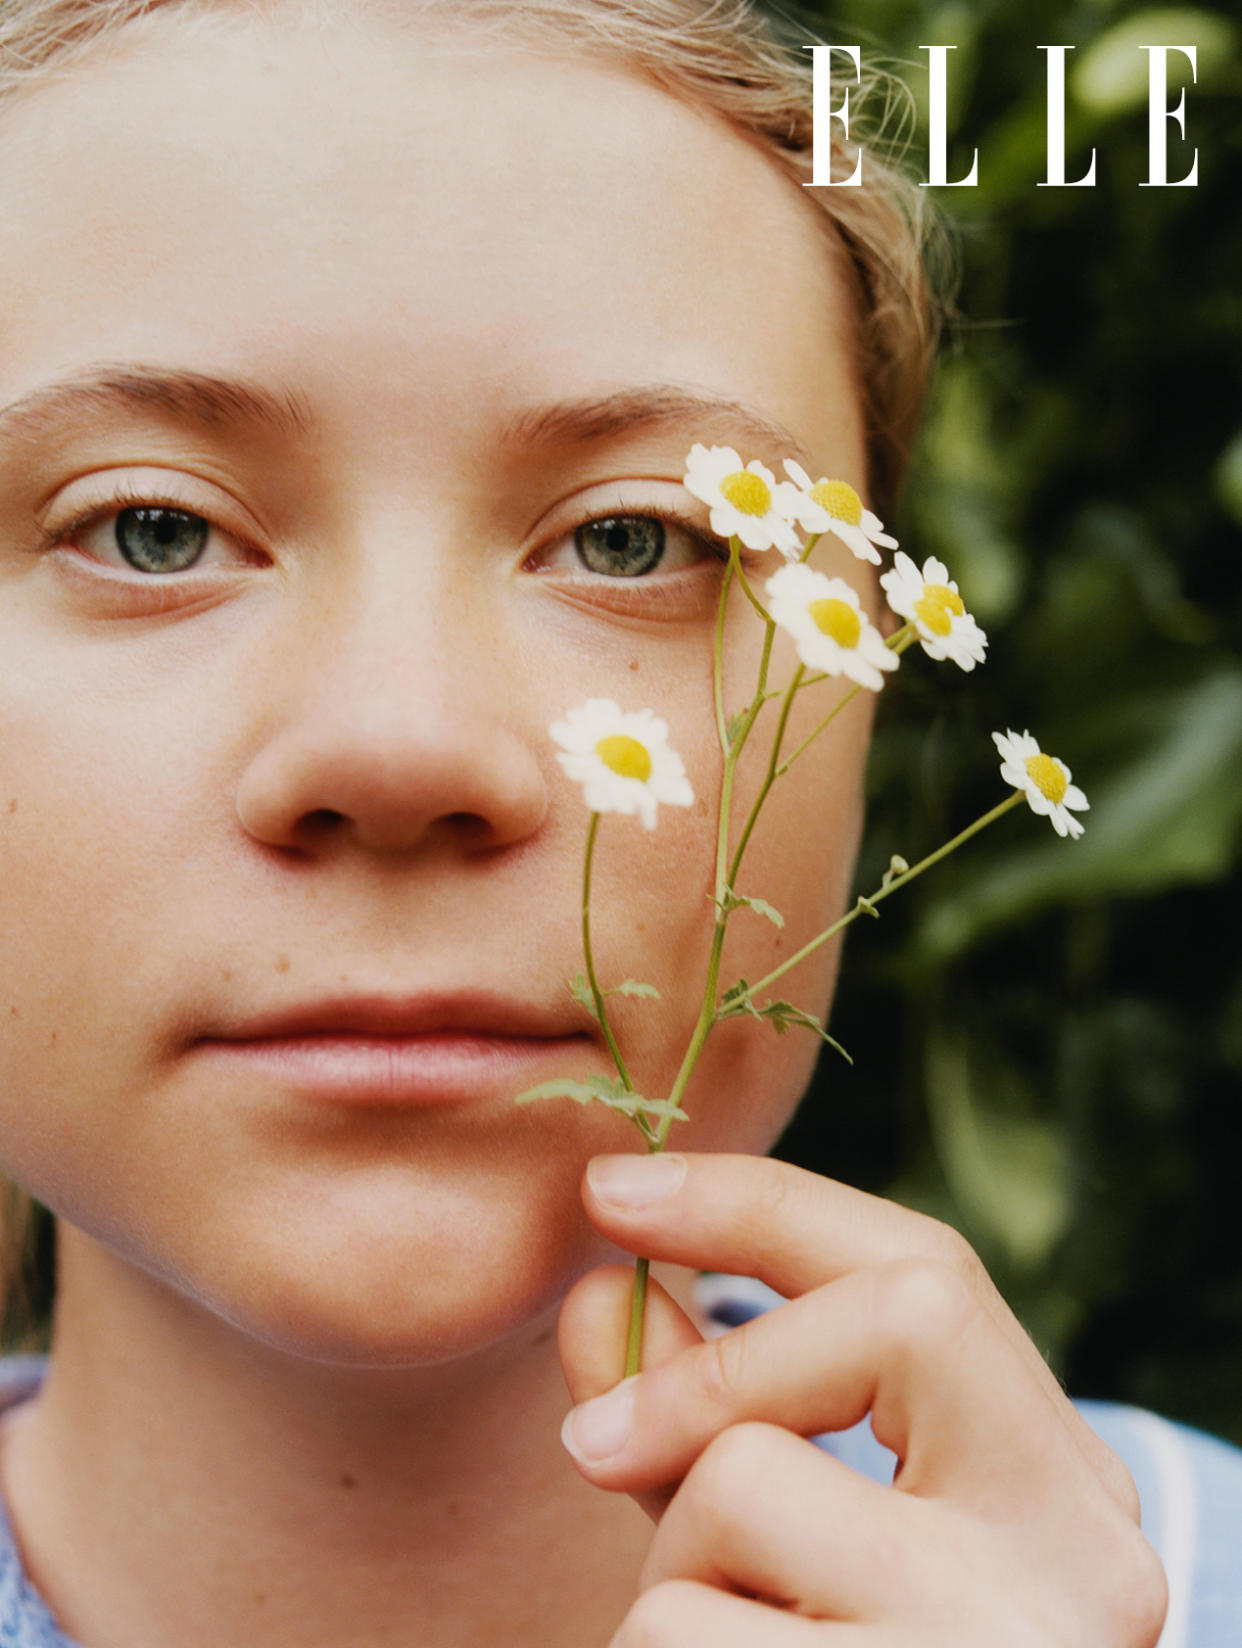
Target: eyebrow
<point>630,411</point>
<point>213,402</point>
<point>190,397</point>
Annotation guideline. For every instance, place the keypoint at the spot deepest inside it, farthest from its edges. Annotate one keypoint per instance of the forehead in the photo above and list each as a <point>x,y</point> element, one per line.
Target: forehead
<point>444,223</point>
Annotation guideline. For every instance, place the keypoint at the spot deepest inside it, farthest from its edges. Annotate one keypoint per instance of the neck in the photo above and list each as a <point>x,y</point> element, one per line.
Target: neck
<point>175,1481</point>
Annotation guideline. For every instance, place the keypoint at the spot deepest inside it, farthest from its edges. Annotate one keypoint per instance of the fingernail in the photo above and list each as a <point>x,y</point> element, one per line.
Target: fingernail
<point>635,1181</point>
<point>599,1429</point>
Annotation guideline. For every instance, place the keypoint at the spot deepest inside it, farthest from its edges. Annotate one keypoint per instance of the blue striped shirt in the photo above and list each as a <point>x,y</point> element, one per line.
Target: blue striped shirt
<point>1190,1486</point>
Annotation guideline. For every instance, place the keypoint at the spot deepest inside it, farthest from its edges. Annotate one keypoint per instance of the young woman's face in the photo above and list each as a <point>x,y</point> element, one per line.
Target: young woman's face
<point>369,324</point>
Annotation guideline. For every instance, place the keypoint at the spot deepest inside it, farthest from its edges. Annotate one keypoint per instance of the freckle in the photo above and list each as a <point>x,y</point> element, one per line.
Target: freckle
<point>633,663</point>
<point>55,1036</point>
<point>12,806</point>
<point>13,1013</point>
<point>452,1508</point>
<point>348,1481</point>
<point>260,1599</point>
<point>282,964</point>
<point>226,974</point>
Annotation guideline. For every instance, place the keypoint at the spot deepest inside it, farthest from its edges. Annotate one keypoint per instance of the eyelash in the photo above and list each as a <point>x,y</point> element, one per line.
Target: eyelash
<point>131,497</point>
<point>706,540</point>
<point>134,497</point>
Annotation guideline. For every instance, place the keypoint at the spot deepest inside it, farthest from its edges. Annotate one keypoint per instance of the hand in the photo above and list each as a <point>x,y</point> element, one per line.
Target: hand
<point>1010,1525</point>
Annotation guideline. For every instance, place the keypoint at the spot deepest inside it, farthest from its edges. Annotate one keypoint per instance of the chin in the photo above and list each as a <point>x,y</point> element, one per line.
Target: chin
<point>400,1298</point>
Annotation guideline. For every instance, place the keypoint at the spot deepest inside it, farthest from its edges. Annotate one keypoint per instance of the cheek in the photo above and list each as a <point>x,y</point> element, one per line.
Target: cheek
<point>106,834</point>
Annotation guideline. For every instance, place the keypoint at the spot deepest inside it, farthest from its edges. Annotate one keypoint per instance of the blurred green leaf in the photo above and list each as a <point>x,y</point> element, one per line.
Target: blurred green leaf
<point>1228,478</point>
<point>1111,75</point>
<point>1170,815</point>
<point>1007,1172</point>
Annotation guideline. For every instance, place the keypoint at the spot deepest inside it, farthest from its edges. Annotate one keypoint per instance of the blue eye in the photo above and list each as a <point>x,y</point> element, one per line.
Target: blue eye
<point>621,546</point>
<point>155,538</point>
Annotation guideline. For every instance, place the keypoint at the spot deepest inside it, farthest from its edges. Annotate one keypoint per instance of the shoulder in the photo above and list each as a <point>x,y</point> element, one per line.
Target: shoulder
<point>1190,1488</point>
<point>1189,1484</point>
<point>25,1621</point>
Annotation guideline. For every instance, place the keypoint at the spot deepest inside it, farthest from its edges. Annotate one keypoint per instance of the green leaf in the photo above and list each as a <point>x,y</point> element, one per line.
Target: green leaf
<point>734,726</point>
<point>631,987</point>
<point>781,1014</point>
<point>580,990</point>
<point>607,1090</point>
<point>760,905</point>
<point>737,1000</point>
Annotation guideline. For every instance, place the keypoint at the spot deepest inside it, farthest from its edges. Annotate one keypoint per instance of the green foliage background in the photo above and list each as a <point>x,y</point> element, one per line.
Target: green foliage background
<point>1048,1034</point>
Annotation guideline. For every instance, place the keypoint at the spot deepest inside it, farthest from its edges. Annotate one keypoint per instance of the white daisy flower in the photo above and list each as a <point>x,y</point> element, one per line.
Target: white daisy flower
<point>829,627</point>
<point>741,497</point>
<point>930,601</point>
<point>832,506</point>
<point>622,759</point>
<point>1043,779</point>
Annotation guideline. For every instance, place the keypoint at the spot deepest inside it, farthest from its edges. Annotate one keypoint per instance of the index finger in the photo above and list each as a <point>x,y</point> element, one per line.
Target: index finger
<point>754,1216</point>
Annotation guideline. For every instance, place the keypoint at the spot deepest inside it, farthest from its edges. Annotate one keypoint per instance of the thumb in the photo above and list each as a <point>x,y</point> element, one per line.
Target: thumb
<point>592,1332</point>
<point>595,1323</point>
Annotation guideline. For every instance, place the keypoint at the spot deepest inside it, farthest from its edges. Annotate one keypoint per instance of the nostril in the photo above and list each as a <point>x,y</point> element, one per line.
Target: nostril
<point>469,828</point>
<point>322,821</point>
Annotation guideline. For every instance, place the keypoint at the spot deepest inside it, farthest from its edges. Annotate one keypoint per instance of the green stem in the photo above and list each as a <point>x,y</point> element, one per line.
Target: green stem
<point>827,721</point>
<point>898,642</point>
<point>770,776</point>
<point>735,560</point>
<point>638,1310</point>
<point>597,995</point>
<point>706,1018</point>
<point>722,725</point>
<point>891,887</point>
<point>903,638</point>
<point>707,1008</point>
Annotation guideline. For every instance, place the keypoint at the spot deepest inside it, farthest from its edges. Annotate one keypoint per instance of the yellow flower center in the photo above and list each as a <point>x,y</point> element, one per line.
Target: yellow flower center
<point>625,756</point>
<point>1048,775</point>
<point>934,615</point>
<point>747,492</point>
<point>837,620</point>
<point>945,597</point>
<point>839,499</point>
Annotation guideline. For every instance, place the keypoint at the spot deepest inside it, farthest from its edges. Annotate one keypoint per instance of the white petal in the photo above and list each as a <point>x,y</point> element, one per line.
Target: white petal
<point>793,505</point>
<point>873,526</point>
<point>858,541</point>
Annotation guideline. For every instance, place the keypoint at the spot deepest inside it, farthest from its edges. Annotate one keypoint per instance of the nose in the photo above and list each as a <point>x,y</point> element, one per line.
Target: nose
<point>391,735</point>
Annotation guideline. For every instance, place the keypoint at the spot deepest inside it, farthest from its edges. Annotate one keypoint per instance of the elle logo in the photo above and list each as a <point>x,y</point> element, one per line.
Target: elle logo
<point>1159,116</point>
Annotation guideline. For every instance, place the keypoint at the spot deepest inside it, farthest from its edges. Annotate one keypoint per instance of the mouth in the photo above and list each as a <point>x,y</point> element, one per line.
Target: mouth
<point>412,1051</point>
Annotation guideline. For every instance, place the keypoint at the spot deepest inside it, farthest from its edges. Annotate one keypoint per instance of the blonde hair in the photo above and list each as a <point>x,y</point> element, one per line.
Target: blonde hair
<point>724,56</point>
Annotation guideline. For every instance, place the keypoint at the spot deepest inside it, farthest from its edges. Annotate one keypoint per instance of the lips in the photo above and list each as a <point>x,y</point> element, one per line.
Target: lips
<point>434,1049</point>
